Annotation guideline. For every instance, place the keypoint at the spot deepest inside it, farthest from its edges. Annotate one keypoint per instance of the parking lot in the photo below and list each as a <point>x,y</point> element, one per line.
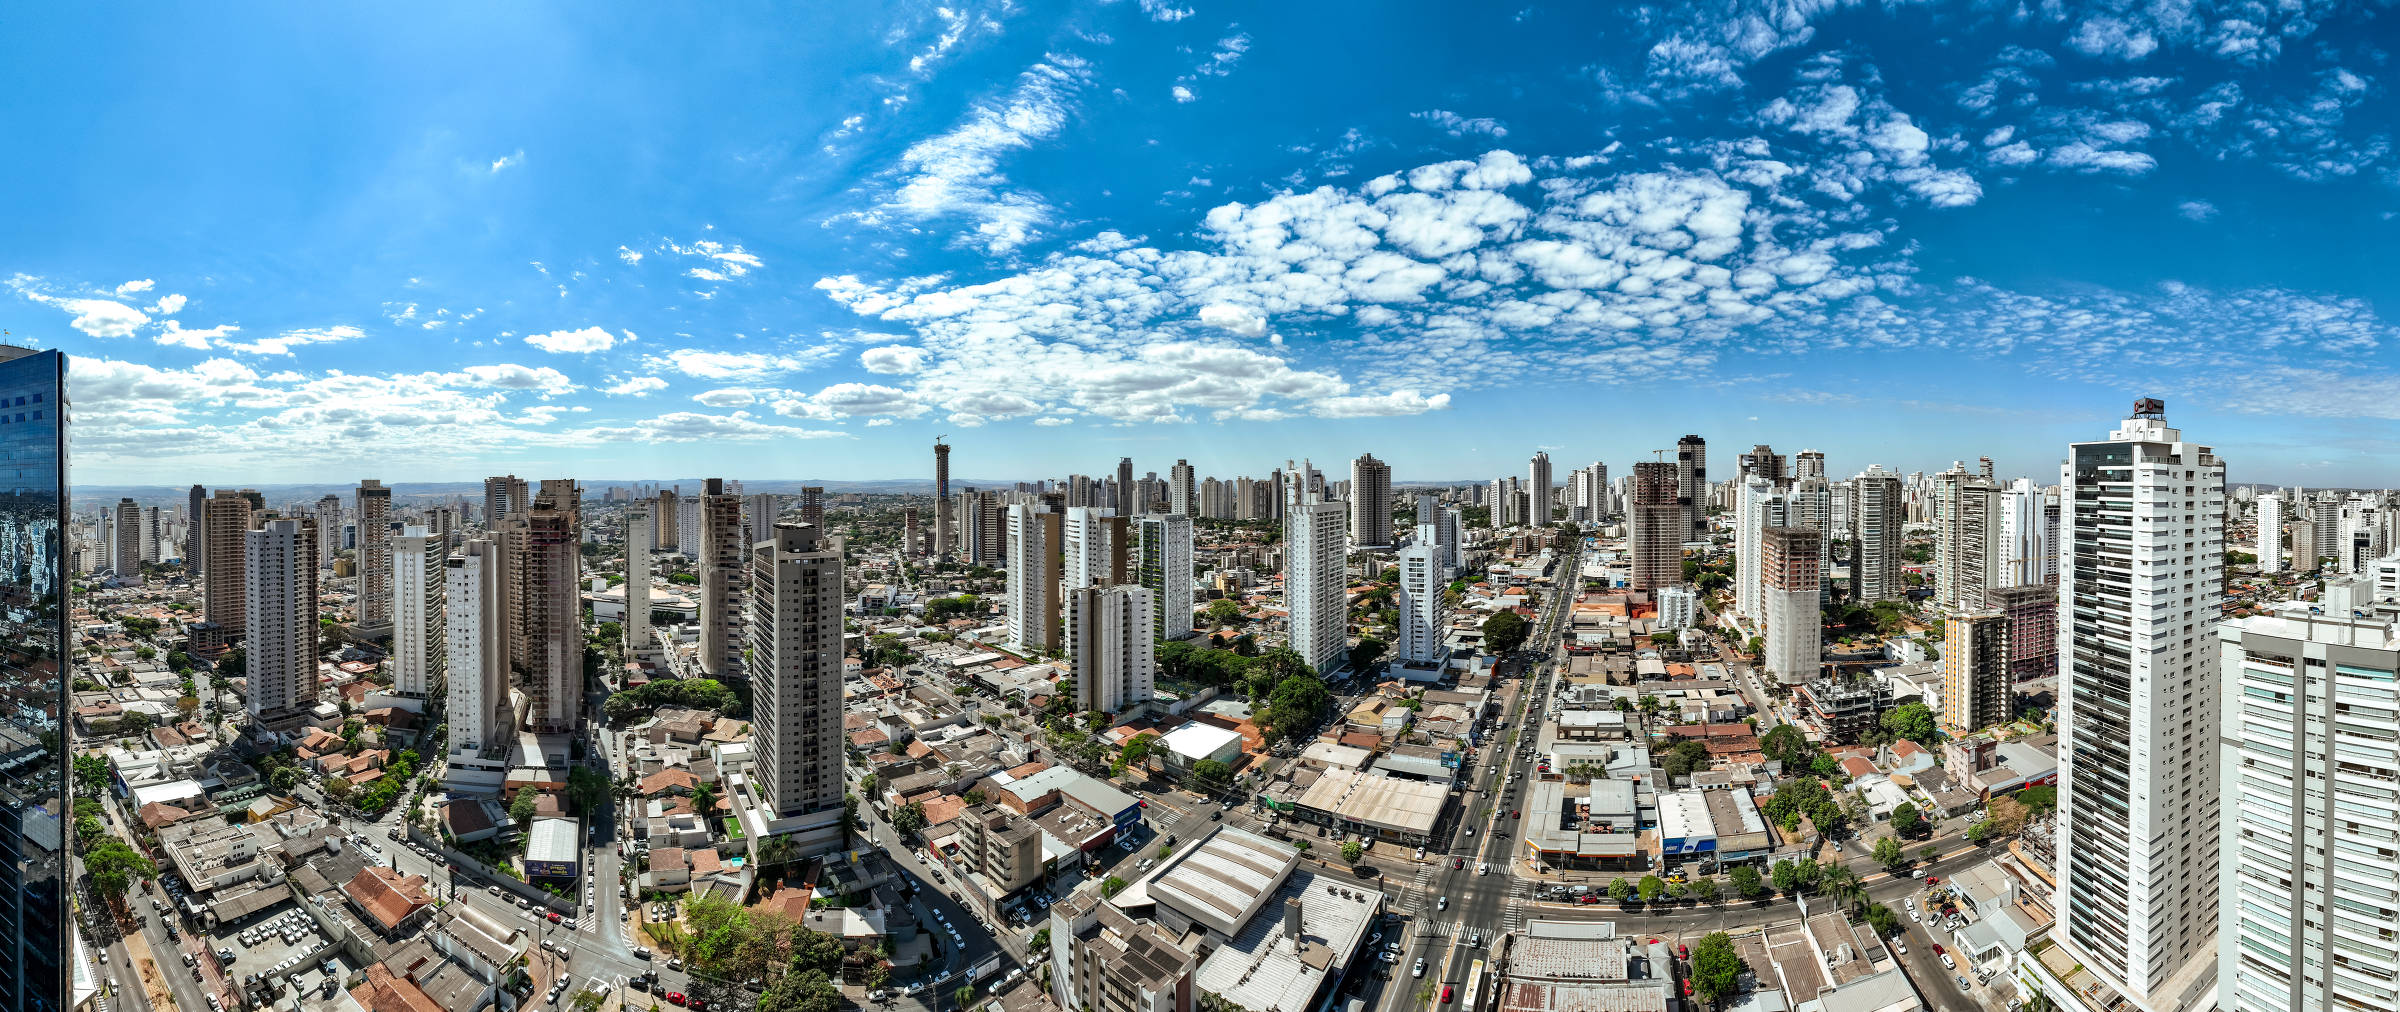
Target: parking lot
<point>277,945</point>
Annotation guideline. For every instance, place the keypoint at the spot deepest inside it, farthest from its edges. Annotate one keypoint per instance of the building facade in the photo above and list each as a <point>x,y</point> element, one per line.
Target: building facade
<point>1370,501</point>
<point>374,506</point>
<point>719,558</point>
<point>475,637</point>
<point>796,678</point>
<point>420,652</point>
<point>1036,560</point>
<point>1165,566</point>
<point>1111,649</point>
<point>1790,560</point>
<point>1315,584</point>
<point>1658,524</point>
<point>279,598</point>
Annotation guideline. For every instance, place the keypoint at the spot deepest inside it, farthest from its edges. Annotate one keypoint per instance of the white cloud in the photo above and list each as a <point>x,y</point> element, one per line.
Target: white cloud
<point>850,400</point>
<point>2112,38</point>
<point>168,305</point>
<point>573,342</point>
<point>1461,126</point>
<point>514,377</point>
<point>2197,210</point>
<point>726,365</point>
<point>508,161</point>
<point>633,386</point>
<point>282,344</point>
<point>1183,94</point>
<point>730,397</point>
<point>135,287</point>
<point>959,173</point>
<point>1161,10</point>
<point>706,274</point>
<point>1241,320</point>
<point>725,261</point>
<point>1398,402</point>
<point>629,254</point>
<point>96,317</point>
<point>174,335</point>
<point>892,359</point>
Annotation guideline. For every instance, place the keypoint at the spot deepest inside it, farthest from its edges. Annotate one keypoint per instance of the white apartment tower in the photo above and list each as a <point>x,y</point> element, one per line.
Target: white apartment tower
<point>2270,534</point>
<point>1370,501</point>
<point>1087,554</point>
<point>1791,564</point>
<point>795,640</point>
<point>279,601</point>
<point>638,537</point>
<point>2140,594</point>
<point>2310,748</point>
<point>1757,507</point>
<point>1537,490</point>
<point>1110,647</point>
<point>1878,507</point>
<point>2023,535</point>
<point>1424,608</point>
<point>420,650</point>
<point>1315,585</point>
<point>329,530</point>
<point>1180,490</point>
<point>720,553</point>
<point>475,630</point>
<point>1164,545</point>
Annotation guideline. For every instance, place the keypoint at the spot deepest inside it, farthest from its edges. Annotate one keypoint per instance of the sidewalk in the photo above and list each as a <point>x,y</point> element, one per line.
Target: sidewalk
<point>156,989</point>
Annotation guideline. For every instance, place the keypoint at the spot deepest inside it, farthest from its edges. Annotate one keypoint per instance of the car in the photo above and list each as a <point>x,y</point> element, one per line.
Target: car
<point>1475,940</point>
<point>698,1005</point>
<point>638,983</point>
<point>1143,804</point>
<point>1837,846</point>
<point>1420,853</point>
<point>1458,862</point>
<point>569,924</point>
<point>624,916</point>
<point>190,960</point>
<point>1386,957</point>
<point>1442,903</point>
<point>1420,968</point>
<point>1916,873</point>
<point>675,998</point>
<point>494,890</point>
<point>1937,949</point>
<point>553,915</point>
<point>1933,880</point>
<point>1964,984</point>
<point>1482,868</point>
<point>1445,994</point>
<point>675,964</point>
<point>1900,946</point>
<point>1912,917</point>
<point>878,995</point>
<point>1516,813</point>
<point>1217,816</point>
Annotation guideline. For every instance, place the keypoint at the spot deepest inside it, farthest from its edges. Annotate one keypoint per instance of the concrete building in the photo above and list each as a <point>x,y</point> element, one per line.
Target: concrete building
<point>221,599</point>
<point>1538,489</point>
<point>1000,845</point>
<point>2138,705</point>
<point>195,535</point>
<point>719,558</point>
<point>1036,543</point>
<point>1110,649</point>
<point>279,597</point>
<point>1808,464</point>
<point>1165,566</point>
<point>1762,462</point>
<point>373,502</point>
<point>1878,508</point>
<point>1370,501</point>
<point>2270,534</point>
<point>812,506</point>
<point>419,650</point>
<point>503,495</point>
<point>1678,608</point>
<point>2028,553</point>
<point>1180,489</point>
<point>1094,551</point>
<point>1422,601</point>
<point>1790,560</point>
<point>1691,486</point>
<point>640,535</point>
<point>1845,708</point>
<point>2304,917</point>
<point>1103,960</point>
<point>475,634</point>
<point>1757,507</point>
<point>1315,583</point>
<point>668,520</point>
<point>1966,542</point>
<point>125,540</point>
<point>2031,615</point>
<point>544,543</point>
<point>1658,524</point>
<point>1975,682</point>
<point>796,680</point>
<point>943,525</point>
<point>329,530</point>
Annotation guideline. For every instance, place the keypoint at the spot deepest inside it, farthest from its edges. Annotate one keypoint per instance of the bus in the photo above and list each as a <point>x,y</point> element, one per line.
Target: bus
<point>1474,989</point>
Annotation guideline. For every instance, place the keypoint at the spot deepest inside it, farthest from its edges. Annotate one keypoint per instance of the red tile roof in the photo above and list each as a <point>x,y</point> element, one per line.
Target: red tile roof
<point>387,896</point>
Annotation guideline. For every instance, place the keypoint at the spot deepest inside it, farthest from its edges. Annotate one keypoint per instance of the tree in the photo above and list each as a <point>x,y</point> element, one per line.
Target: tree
<point>910,819</point>
<point>2038,800</point>
<point>1112,886</point>
<point>92,775</point>
<point>1906,821</point>
<point>1913,721</point>
<point>1883,920</point>
<point>965,995</point>
<point>1717,968</point>
<point>1366,653</point>
<point>1746,883</point>
<point>338,788</point>
<point>704,799</point>
<point>520,810</point>
<point>1980,833</point>
<point>1929,853</point>
<point>284,779</point>
<point>1620,890</point>
<point>1211,773</point>
<point>1888,853</point>
<point>1787,745</point>
<point>137,722</point>
<point>1651,887</point>
<point>1505,631</point>
<point>1684,757</point>
<point>587,788</point>
<point>113,865</point>
<point>1223,612</point>
<point>88,828</point>
<point>1705,888</point>
<point>1352,851</point>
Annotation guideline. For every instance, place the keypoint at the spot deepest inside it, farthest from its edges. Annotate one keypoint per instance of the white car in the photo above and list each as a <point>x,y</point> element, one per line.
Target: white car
<point>1420,970</point>
<point>1948,963</point>
<point>1900,946</point>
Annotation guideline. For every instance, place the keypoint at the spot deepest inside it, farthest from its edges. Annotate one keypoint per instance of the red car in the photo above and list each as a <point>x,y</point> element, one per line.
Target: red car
<point>1933,880</point>
<point>1458,862</point>
<point>1937,948</point>
<point>554,917</point>
<point>1445,994</point>
<point>1515,814</point>
<point>1588,898</point>
<point>1683,952</point>
<point>1144,804</point>
<point>674,997</point>
<point>698,1005</point>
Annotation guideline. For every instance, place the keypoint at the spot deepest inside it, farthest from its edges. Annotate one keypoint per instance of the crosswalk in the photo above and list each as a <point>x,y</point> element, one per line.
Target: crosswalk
<point>1512,915</point>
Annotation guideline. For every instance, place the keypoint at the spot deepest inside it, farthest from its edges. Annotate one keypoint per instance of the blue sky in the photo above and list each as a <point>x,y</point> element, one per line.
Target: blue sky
<point>626,241</point>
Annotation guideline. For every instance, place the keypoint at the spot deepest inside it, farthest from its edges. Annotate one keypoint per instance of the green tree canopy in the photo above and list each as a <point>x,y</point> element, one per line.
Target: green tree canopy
<point>1906,821</point>
<point>521,810</point>
<point>1620,890</point>
<point>1746,883</point>
<point>1889,854</point>
<point>1505,631</point>
<point>113,865</point>
<point>1685,757</point>
<point>1651,887</point>
<point>1717,968</point>
<point>1913,721</point>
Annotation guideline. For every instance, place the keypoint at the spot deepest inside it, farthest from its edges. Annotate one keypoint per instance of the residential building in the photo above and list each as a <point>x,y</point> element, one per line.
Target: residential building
<point>1094,551</point>
<point>1165,566</point>
<point>2142,575</point>
<point>279,598</point>
<point>812,506</point>
<point>1422,599</point>
<point>1036,540</point>
<point>1370,501</point>
<point>503,495</point>
<point>543,542</point>
<point>195,534</point>
<point>1878,507</point>
<point>125,540</point>
<point>1180,489</point>
<point>2027,551</point>
<point>669,520</point>
<point>1808,464</point>
<point>2031,615</point>
<point>1002,846</point>
<point>419,645</point>
<point>1105,961</point>
<point>1762,462</point>
<point>1844,707</point>
<point>1966,541</point>
<point>640,535</point>
<point>1975,682</point>
<point>942,524</point>
<point>1538,490</point>
<point>36,934</point>
<point>1658,523</point>
<point>2270,534</point>
<point>1315,584</point>
<point>796,682</point>
<point>221,597</point>
<point>1757,507</point>
<point>1790,561</point>
<point>1691,486</point>
<point>374,507</point>
<point>1111,649</point>
<point>2310,744</point>
<point>718,559</point>
<point>475,631</point>
<point>329,530</point>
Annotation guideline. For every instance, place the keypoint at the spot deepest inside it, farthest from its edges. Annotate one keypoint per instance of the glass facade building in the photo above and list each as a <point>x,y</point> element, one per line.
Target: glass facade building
<point>33,679</point>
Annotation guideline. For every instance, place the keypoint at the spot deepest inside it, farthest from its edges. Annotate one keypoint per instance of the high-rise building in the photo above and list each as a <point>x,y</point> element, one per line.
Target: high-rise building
<point>639,534</point>
<point>2141,588</point>
<point>1791,561</point>
<point>1658,525</point>
<point>374,504</point>
<point>476,636</point>
<point>1422,600</point>
<point>195,536</point>
<point>125,540</point>
<point>2270,534</point>
<point>329,529</point>
<point>2325,521</point>
<point>1587,494</point>
<point>279,604</point>
<point>1095,550</point>
<point>1975,684</point>
<point>912,536</point>
<point>1757,509</point>
<point>221,597</point>
<point>812,506</point>
<point>1762,462</point>
<point>35,796</point>
<point>758,517</point>
<point>669,519</point>
<point>1370,501</point>
<point>1127,503</point>
<point>942,546</point>
<point>1111,648</point>
<point>502,495</point>
<point>1036,560</point>
<point>1164,564</point>
<point>720,556</point>
<point>796,680</point>
<point>545,604</point>
<point>1180,488</point>
<point>2304,888</point>
<point>1315,584</point>
<point>1966,538</point>
<point>1808,464</point>
<point>2030,613</point>
<point>420,650</point>
<point>1878,508</point>
<point>2022,533</point>
<point>1691,484</point>
<point>1538,490</point>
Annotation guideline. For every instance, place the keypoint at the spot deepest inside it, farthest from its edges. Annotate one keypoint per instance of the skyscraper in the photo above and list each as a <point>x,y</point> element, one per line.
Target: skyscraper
<point>2270,534</point>
<point>1036,545</point>
<point>502,495</point>
<point>195,537</point>
<point>35,801</point>
<point>1538,490</point>
<point>1126,504</point>
<point>758,518</point>
<point>1975,684</point>
<point>374,556</point>
<point>1790,562</point>
<point>1165,566</point>
<point>1180,489</point>
<point>1316,549</point>
<point>1691,484</point>
<point>329,529</point>
<point>1763,462</point>
<point>941,499</point>
<point>2138,705</point>
<point>1423,605</point>
<point>1093,550</point>
<point>1966,542</point>
<point>812,507</point>
<point>125,540</point>
<point>796,677</point>
<point>1757,508</point>
<point>545,604</point>
<point>419,642</point>
<point>1659,524</point>
<point>221,596</point>
<point>2022,532</point>
<point>1370,501</point>
<point>476,637</point>
<point>2304,889</point>
<point>279,604</point>
<point>639,534</point>
<point>1878,507</point>
<point>1808,464</point>
<point>720,555</point>
<point>1111,648</point>
<point>669,519</point>
<point>2030,613</point>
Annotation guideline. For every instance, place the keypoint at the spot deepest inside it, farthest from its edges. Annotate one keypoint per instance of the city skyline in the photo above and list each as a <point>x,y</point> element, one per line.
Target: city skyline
<point>1087,230</point>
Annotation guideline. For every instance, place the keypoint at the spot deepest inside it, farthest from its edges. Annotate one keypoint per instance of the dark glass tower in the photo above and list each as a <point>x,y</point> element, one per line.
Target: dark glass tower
<point>33,679</point>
